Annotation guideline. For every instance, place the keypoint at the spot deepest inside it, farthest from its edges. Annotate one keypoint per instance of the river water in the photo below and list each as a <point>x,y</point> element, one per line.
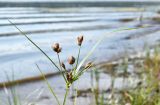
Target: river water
<point>46,26</point>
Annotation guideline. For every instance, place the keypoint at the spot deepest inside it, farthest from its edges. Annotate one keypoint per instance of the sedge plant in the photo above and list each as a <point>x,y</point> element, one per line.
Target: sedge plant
<point>69,76</point>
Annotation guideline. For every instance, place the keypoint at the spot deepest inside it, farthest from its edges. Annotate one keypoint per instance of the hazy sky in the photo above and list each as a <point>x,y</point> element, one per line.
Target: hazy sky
<point>76,0</point>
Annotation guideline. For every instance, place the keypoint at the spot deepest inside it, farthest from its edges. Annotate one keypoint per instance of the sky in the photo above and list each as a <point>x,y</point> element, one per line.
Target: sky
<point>71,0</point>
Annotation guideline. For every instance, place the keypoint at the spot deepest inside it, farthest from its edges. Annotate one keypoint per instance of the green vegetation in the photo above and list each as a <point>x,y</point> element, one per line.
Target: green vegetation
<point>147,91</point>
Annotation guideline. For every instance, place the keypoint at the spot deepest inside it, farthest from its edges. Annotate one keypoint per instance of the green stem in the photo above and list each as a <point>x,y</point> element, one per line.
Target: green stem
<point>73,69</point>
<point>66,94</point>
<point>35,45</point>
<point>83,70</point>
<point>73,92</point>
<point>75,98</point>
<point>61,68</point>
<point>39,49</point>
<point>49,86</point>
<point>77,58</point>
<point>79,51</point>
<point>112,89</point>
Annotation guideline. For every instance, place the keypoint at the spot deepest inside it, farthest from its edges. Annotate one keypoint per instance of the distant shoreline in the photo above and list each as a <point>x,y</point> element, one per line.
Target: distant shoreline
<point>79,4</point>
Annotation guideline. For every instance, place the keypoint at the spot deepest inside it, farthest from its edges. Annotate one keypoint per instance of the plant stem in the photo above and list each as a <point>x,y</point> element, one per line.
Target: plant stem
<point>78,56</point>
<point>77,60</point>
<point>61,68</point>
<point>37,47</point>
<point>49,86</point>
<point>75,98</point>
<point>112,89</point>
<point>66,94</point>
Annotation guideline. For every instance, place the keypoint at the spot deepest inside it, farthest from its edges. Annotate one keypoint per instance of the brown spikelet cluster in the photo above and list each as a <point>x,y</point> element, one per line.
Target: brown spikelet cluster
<point>79,40</point>
<point>63,65</point>
<point>88,65</point>
<point>69,77</point>
<point>71,60</point>
<point>74,74</point>
<point>56,47</point>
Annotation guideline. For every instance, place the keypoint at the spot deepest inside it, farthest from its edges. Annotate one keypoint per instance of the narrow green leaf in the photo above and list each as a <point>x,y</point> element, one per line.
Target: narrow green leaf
<point>49,86</point>
<point>99,41</point>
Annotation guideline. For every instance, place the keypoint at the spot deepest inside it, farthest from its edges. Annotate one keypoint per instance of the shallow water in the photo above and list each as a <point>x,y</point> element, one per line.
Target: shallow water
<point>46,26</point>
<point>49,25</point>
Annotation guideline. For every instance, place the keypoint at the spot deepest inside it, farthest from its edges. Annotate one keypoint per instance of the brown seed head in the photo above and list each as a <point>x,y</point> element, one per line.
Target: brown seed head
<point>88,65</point>
<point>56,47</point>
<point>59,50</point>
<point>69,76</point>
<point>79,40</point>
<point>71,60</point>
<point>63,65</point>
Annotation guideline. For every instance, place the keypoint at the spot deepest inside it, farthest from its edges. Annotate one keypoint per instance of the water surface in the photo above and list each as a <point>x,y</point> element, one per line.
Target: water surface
<point>46,26</point>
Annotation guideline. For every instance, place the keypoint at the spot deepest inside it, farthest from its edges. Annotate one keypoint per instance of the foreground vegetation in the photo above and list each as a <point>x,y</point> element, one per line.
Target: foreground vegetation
<point>145,92</point>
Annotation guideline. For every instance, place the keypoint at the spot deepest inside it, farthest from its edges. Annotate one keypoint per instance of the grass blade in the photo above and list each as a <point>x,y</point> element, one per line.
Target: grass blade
<point>49,86</point>
<point>39,50</point>
<point>99,41</point>
<point>35,45</point>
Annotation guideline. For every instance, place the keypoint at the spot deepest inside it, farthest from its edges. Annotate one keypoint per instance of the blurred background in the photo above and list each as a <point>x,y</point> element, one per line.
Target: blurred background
<point>50,21</point>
